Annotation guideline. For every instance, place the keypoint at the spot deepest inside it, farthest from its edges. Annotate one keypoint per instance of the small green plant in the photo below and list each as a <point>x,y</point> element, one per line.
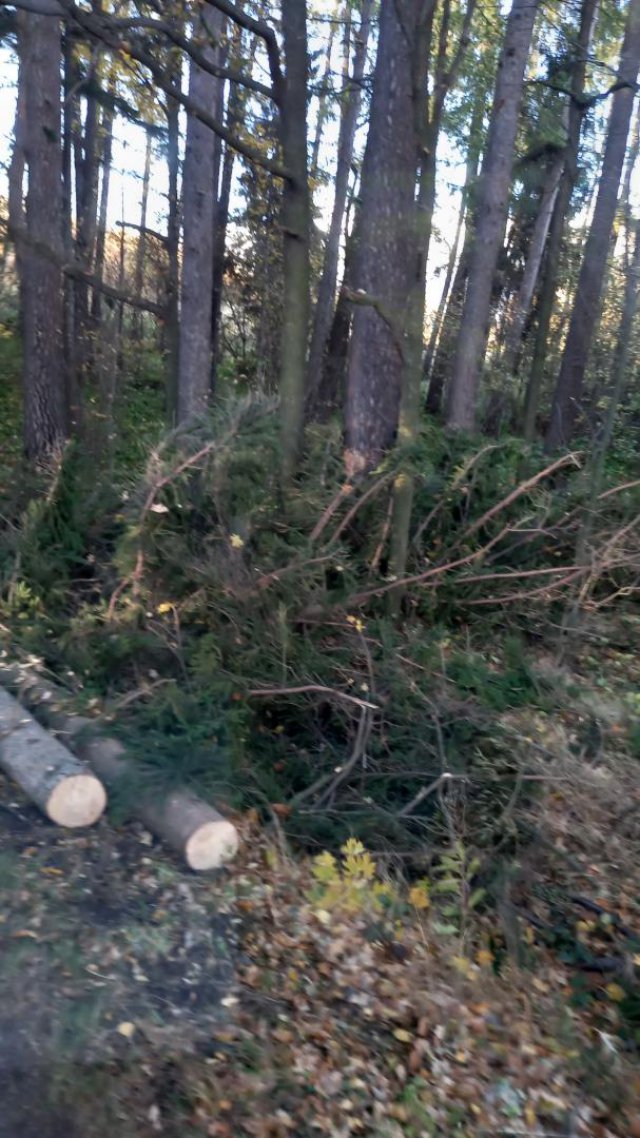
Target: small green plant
<point>454,881</point>
<point>350,883</point>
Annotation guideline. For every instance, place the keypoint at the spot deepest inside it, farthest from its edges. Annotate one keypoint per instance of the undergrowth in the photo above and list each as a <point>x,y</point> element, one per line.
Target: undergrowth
<point>242,637</point>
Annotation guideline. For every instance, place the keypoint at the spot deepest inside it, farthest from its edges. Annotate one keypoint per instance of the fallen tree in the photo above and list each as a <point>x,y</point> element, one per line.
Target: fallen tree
<point>194,829</point>
<point>62,786</point>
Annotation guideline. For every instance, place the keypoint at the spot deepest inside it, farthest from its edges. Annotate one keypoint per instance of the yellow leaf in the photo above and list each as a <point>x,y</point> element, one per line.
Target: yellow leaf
<point>419,897</point>
<point>402,1035</point>
<point>353,846</point>
<point>615,992</point>
<point>166,606</point>
<point>236,541</point>
<point>127,1029</point>
<point>530,1115</point>
<point>484,958</point>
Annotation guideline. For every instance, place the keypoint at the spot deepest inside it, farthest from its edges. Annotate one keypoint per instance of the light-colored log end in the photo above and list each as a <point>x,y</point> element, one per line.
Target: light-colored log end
<point>211,845</point>
<point>78,800</point>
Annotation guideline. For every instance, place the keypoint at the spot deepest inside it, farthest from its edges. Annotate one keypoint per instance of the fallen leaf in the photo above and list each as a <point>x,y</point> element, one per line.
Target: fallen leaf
<point>126,1029</point>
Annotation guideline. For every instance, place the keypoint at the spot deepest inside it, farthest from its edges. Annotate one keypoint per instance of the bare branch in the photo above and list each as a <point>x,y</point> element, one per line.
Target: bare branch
<point>100,27</point>
<point>259,28</point>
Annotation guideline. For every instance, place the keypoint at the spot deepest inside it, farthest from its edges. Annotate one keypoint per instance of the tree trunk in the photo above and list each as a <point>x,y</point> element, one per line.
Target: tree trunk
<point>108,116</point>
<point>491,215</point>
<point>235,105</point>
<point>327,288</point>
<point>16,173</point>
<point>87,165</point>
<point>138,280</point>
<point>385,255</point>
<point>576,113</point>
<point>522,307</point>
<point>295,225</point>
<point>199,196</point>
<point>568,393</point>
<point>621,358</point>
<point>172,327</point>
<point>46,419</point>
<point>334,365</point>
<point>323,96</point>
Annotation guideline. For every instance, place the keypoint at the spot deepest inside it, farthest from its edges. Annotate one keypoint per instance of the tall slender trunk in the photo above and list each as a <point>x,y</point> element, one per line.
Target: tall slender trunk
<point>199,196</point>
<point>334,364</point>
<point>520,311</point>
<point>46,418</point>
<point>87,168</point>
<point>568,393</point>
<point>440,351</point>
<point>386,264</point>
<point>108,116</point>
<point>622,355</point>
<point>491,215</point>
<point>323,97</point>
<point>172,326</point>
<point>547,295</point>
<point>327,288</point>
<point>295,225</point>
<point>235,105</point>
<point>138,280</point>
<point>16,171</point>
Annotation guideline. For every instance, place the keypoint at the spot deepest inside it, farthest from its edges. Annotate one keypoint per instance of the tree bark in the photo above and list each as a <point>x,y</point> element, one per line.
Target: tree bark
<point>46,418</point>
<point>385,255</point>
<point>16,172</point>
<point>295,225</point>
<point>323,96</point>
<point>327,288</point>
<point>138,280</point>
<point>522,307</point>
<point>64,789</point>
<point>491,215</point>
<point>172,327</point>
<point>199,196</point>
<point>108,116</point>
<point>568,393</point>
<point>87,169</point>
<point>547,295</point>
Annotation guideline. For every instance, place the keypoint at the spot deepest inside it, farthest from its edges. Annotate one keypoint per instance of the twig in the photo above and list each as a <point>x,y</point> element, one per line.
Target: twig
<point>319,688</point>
<point>375,561</point>
<point>359,748</point>
<point>327,515</point>
<point>348,518</point>
<point>515,494</point>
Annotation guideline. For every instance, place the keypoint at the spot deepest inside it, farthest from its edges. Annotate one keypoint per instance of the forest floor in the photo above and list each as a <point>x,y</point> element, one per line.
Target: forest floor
<point>139,1000</point>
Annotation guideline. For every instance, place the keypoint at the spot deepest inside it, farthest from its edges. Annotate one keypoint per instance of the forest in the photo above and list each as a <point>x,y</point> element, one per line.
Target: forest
<point>319,568</point>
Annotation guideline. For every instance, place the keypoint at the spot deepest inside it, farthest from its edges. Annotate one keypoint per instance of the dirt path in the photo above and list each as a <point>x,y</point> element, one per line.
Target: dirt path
<point>107,951</point>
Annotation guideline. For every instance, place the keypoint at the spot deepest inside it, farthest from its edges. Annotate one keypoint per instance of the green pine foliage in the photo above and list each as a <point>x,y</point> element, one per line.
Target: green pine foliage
<point>178,596</point>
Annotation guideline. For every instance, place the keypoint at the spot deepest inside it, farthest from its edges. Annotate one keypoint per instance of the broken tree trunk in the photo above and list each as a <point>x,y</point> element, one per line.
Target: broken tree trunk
<point>64,788</point>
<point>194,829</point>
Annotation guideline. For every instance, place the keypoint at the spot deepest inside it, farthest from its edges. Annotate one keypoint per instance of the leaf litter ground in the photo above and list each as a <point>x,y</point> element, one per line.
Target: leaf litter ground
<point>141,1000</point>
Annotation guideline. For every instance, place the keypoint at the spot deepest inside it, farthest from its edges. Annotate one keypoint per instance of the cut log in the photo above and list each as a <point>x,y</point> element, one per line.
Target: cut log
<point>65,789</point>
<point>194,829</point>
<point>203,837</point>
